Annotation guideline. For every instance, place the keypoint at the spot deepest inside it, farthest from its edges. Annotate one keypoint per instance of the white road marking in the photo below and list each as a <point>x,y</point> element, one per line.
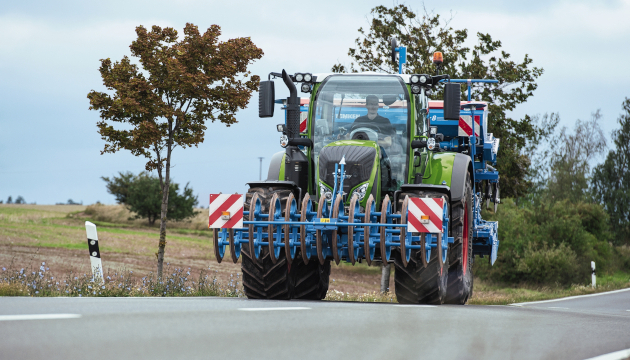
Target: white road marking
<point>617,355</point>
<point>416,306</point>
<point>275,308</point>
<point>569,297</point>
<point>39,317</point>
<point>556,307</point>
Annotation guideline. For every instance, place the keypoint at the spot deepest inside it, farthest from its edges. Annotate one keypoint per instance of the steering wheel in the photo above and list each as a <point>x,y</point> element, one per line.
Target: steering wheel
<point>357,134</point>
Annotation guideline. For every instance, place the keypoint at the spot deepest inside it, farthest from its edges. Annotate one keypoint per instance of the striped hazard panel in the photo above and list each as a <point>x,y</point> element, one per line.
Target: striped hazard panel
<point>425,215</point>
<point>465,125</point>
<point>303,117</point>
<point>226,211</point>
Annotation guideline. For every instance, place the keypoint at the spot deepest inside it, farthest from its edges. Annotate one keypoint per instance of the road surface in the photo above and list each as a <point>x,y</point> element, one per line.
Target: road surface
<point>228,328</point>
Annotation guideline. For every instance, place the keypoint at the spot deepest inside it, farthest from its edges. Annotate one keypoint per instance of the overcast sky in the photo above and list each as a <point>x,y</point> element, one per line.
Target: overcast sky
<point>50,51</point>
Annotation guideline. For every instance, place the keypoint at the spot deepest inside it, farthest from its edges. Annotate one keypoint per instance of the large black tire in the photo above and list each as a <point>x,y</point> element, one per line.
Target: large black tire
<point>310,281</point>
<point>416,284</point>
<point>460,276</point>
<point>264,280</point>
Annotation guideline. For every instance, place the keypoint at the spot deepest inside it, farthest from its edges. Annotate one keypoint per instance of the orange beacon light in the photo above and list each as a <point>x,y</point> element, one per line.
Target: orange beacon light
<point>437,58</point>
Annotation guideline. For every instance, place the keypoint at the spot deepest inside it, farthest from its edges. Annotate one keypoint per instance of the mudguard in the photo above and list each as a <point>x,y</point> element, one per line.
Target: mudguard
<point>275,165</point>
<point>461,165</point>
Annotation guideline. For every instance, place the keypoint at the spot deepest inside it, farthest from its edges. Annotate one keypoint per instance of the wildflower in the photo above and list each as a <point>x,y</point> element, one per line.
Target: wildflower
<point>108,278</point>
<point>76,278</point>
<point>36,292</point>
<point>79,295</point>
<point>89,286</point>
<point>4,269</point>
<point>103,287</point>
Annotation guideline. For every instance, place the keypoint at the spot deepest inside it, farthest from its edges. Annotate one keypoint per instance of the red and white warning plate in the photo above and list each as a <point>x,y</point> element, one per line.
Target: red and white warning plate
<point>226,211</point>
<point>425,215</point>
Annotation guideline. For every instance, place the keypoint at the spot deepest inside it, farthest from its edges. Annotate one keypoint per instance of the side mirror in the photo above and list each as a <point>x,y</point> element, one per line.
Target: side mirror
<point>452,96</point>
<point>266,96</point>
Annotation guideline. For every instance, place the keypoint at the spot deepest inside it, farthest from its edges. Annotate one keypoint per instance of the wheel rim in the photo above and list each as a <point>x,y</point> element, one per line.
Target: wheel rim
<point>336,249</point>
<point>354,208</point>
<point>385,210</point>
<point>254,206</point>
<point>290,210</point>
<point>367,249</point>
<point>215,238</point>
<point>275,212</point>
<point>235,248</point>
<point>307,206</point>
<point>318,234</point>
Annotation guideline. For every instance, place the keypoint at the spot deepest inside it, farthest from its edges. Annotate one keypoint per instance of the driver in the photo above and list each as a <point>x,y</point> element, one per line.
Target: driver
<point>374,121</point>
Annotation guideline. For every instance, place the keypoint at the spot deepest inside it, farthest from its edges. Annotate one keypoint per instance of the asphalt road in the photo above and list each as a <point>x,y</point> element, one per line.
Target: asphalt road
<point>225,328</point>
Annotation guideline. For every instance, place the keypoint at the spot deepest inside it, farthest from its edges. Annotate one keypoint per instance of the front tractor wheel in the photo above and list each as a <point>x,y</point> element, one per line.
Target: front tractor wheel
<point>418,283</point>
<point>460,277</point>
<point>264,279</point>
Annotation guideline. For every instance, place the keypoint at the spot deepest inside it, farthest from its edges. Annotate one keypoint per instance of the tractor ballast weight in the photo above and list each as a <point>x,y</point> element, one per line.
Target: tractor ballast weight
<point>407,191</point>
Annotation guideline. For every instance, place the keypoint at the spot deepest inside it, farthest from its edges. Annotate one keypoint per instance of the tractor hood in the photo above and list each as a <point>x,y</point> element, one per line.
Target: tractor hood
<point>362,160</point>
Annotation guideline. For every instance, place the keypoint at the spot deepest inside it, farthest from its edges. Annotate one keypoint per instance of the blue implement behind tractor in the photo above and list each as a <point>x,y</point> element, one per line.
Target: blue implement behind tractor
<point>410,193</point>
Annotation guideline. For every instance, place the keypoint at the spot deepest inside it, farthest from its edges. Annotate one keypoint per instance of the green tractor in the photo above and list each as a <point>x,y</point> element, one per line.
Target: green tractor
<point>372,170</point>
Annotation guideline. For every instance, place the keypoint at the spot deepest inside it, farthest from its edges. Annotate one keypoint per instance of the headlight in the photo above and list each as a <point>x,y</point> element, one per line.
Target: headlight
<point>307,77</point>
<point>414,78</point>
<point>284,141</point>
<point>299,77</point>
<point>306,88</point>
<point>415,89</point>
<point>324,191</point>
<point>423,79</point>
<point>360,191</point>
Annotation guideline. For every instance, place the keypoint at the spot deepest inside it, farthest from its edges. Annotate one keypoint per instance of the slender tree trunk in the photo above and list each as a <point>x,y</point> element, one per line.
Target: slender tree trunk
<point>165,190</point>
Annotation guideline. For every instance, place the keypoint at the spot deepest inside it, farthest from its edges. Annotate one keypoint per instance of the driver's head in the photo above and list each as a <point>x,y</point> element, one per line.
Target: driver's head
<point>371,103</point>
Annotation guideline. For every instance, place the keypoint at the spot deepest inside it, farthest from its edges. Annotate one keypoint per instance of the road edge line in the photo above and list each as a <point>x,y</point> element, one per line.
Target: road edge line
<point>570,297</point>
<point>617,355</point>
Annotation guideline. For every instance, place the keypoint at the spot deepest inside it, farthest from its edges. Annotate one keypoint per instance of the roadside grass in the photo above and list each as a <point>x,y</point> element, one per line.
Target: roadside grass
<point>61,226</point>
<point>485,293</point>
<point>41,282</point>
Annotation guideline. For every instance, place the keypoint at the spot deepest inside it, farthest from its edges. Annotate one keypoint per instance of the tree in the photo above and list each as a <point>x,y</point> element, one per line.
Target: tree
<point>611,180</point>
<point>20,200</point>
<point>10,200</point>
<point>142,194</point>
<point>570,163</point>
<point>422,35</point>
<point>180,87</point>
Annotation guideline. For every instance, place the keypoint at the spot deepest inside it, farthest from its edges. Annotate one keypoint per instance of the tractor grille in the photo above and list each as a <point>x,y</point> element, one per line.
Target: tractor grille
<point>359,162</point>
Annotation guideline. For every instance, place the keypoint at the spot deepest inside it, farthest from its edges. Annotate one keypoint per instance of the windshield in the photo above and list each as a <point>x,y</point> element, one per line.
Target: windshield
<point>365,108</point>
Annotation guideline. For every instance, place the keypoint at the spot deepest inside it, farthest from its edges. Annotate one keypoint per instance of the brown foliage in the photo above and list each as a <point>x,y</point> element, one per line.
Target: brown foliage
<point>167,100</point>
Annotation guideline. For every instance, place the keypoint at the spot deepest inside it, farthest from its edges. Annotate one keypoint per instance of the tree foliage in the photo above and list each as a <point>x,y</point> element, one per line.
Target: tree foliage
<point>167,100</point>
<point>425,33</point>
<point>142,194</point>
<point>611,180</point>
<point>570,164</point>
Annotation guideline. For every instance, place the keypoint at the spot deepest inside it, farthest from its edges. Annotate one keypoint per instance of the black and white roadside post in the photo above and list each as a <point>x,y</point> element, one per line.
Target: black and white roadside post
<point>593,274</point>
<point>95,254</point>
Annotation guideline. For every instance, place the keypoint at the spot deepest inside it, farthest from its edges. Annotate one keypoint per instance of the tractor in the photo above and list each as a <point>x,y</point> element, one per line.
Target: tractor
<point>372,171</point>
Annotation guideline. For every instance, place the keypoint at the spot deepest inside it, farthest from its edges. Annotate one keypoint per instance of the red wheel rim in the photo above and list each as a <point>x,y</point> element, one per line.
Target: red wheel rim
<point>465,239</point>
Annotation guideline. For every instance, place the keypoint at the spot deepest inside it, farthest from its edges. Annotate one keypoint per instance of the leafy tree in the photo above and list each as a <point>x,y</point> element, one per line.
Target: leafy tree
<point>142,194</point>
<point>180,87</point>
<point>10,200</point>
<point>119,186</point>
<point>20,200</point>
<point>611,180</point>
<point>570,163</point>
<point>422,35</point>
